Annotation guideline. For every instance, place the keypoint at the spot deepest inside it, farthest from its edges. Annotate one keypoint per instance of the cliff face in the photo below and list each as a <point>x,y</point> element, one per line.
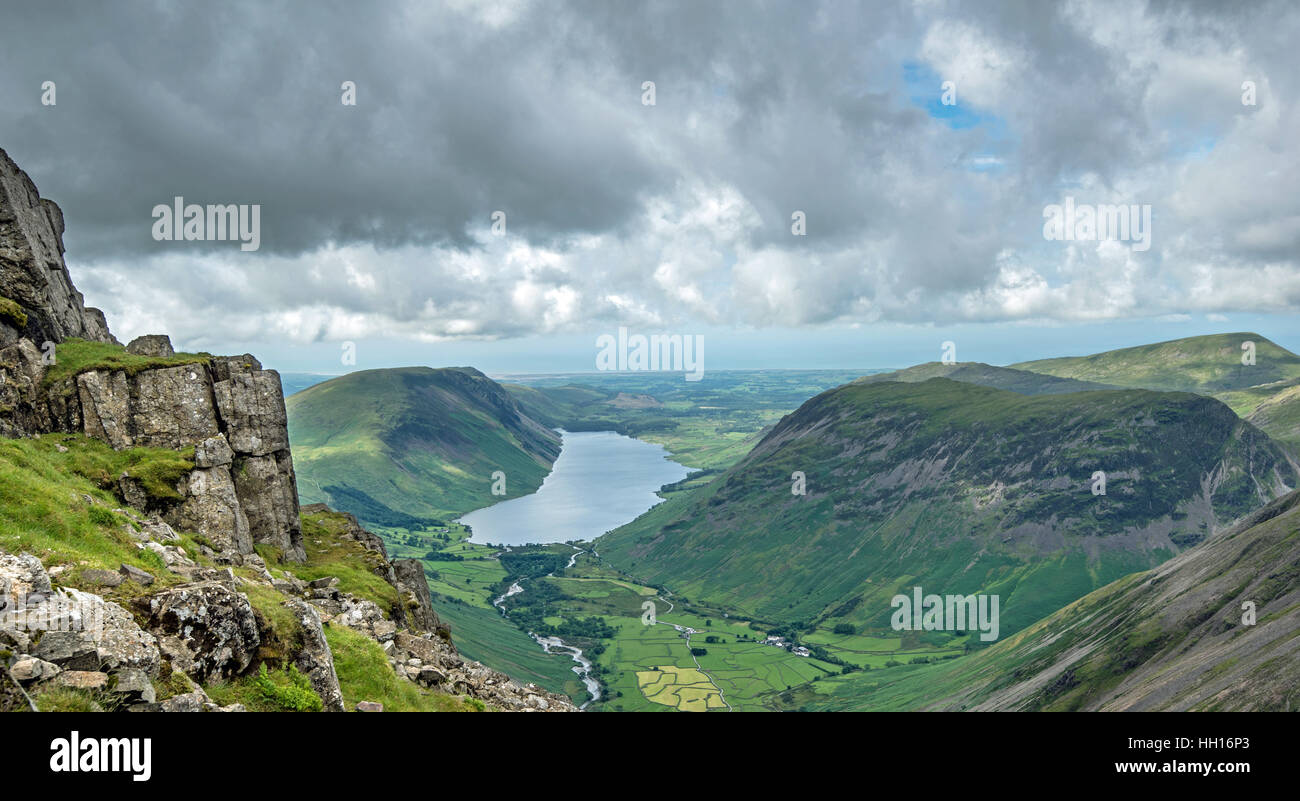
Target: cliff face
<point>242,490</point>
<point>148,593</point>
<point>32,272</point>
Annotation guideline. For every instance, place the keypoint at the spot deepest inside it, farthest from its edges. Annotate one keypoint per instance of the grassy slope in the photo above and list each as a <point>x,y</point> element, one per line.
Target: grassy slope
<point>58,505</point>
<point>1266,393</point>
<point>1203,364</point>
<point>1020,381</point>
<point>953,486</point>
<point>1169,638</point>
<point>397,446</point>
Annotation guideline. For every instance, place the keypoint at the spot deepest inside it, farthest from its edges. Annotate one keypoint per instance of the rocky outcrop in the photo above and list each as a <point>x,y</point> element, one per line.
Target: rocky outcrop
<point>32,271</point>
<point>49,632</point>
<point>243,489</point>
<point>413,589</point>
<point>314,658</point>
<point>205,629</point>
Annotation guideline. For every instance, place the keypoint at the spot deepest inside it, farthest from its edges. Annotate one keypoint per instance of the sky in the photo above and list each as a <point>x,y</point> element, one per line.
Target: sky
<point>920,145</point>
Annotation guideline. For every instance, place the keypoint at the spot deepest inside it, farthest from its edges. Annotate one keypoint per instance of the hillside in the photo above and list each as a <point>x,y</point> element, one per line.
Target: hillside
<point>958,488</point>
<point>401,447</point>
<point>1265,393</point>
<point>1172,638</point>
<point>1202,364</point>
<point>1023,382</point>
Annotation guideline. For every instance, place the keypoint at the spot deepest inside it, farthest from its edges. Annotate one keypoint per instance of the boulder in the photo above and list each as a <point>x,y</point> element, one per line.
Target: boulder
<point>133,686</point>
<point>73,629</point>
<point>206,629</point>
<point>151,345</point>
<point>83,679</point>
<point>101,578</point>
<point>133,573</point>
<point>195,701</point>
<point>212,509</point>
<point>369,706</point>
<point>30,668</point>
<point>251,404</point>
<point>213,452</point>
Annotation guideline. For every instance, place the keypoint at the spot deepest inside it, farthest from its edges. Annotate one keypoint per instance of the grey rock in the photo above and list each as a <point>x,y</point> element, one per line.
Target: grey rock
<point>102,578</point>
<point>133,573</point>
<point>206,629</point>
<point>134,686</point>
<point>83,679</point>
<point>30,668</point>
<point>369,706</point>
<point>32,270</point>
<point>213,452</point>
<point>212,509</point>
<point>186,702</point>
<point>13,639</point>
<point>268,493</point>
<point>413,588</point>
<point>151,345</point>
<point>314,658</point>
<point>251,404</point>
<point>90,633</point>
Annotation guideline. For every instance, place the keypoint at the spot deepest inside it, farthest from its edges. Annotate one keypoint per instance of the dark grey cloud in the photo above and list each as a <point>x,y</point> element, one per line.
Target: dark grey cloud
<point>375,217</point>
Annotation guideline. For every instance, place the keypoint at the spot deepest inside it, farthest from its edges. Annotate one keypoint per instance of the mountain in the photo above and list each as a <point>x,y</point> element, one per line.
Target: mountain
<point>1265,393</point>
<point>402,447</point>
<point>1202,364</point>
<point>1171,638</point>
<point>1023,382</point>
<point>957,488</point>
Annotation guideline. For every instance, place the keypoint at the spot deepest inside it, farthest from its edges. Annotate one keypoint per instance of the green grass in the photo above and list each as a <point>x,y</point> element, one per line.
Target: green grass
<point>285,690</point>
<point>365,675</point>
<point>76,356</point>
<point>43,509</point>
<point>1202,364</point>
<point>67,699</point>
<point>902,479</point>
<point>329,554</point>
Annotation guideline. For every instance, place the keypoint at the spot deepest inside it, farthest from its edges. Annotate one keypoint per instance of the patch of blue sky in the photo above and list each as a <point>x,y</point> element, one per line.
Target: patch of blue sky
<point>924,88</point>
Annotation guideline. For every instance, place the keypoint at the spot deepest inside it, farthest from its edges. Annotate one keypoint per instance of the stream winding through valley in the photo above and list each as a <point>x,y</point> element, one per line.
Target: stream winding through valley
<point>600,481</point>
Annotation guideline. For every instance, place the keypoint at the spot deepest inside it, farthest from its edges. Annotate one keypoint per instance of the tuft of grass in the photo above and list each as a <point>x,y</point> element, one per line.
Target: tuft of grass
<point>76,356</point>
<point>286,690</point>
<point>67,699</point>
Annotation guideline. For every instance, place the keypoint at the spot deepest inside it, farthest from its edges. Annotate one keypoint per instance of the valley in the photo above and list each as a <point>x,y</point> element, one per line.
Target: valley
<point>736,593</point>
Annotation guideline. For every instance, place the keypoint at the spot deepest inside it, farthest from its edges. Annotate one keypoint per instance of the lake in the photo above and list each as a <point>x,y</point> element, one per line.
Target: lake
<point>600,481</point>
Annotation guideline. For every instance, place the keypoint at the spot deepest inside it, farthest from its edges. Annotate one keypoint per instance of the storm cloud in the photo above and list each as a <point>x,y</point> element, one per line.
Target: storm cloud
<point>376,218</point>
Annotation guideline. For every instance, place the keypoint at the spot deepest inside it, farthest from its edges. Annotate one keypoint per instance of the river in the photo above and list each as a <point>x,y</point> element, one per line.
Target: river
<point>600,481</point>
